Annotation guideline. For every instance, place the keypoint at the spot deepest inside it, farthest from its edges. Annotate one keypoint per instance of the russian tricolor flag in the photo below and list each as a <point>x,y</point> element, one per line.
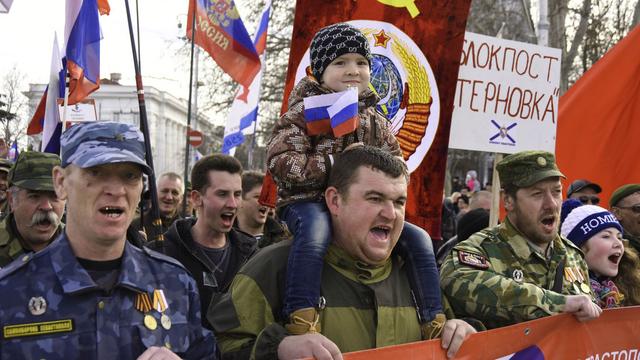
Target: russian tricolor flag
<point>335,113</point>
<point>46,119</point>
<point>244,110</point>
<point>82,38</point>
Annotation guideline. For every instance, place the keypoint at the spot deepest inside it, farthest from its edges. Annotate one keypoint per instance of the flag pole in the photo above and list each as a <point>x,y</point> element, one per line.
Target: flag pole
<point>156,232</point>
<point>186,148</point>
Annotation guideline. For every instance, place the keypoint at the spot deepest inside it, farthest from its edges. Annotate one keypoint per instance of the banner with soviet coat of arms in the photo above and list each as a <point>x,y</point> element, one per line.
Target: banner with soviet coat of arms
<point>416,45</point>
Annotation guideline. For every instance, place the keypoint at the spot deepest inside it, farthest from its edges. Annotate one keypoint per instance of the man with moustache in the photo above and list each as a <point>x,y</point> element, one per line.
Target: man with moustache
<point>253,218</point>
<point>170,191</point>
<point>521,269</point>
<point>34,218</point>
<point>208,246</point>
<point>91,294</point>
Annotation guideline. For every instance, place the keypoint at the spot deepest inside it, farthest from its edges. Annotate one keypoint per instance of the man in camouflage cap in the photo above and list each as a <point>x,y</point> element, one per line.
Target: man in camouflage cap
<point>99,296</point>
<point>34,219</point>
<point>5,165</point>
<point>521,269</point>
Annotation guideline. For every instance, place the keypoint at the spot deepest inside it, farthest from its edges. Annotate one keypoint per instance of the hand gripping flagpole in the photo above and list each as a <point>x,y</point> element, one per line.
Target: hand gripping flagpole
<point>186,148</point>
<point>156,232</point>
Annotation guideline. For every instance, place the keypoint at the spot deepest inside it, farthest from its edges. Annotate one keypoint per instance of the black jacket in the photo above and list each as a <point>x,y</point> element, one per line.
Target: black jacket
<point>179,244</point>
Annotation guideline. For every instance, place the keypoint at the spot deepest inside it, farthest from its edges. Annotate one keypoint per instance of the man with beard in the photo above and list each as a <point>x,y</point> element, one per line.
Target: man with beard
<point>253,218</point>
<point>170,191</point>
<point>34,219</point>
<point>209,247</point>
<point>521,269</point>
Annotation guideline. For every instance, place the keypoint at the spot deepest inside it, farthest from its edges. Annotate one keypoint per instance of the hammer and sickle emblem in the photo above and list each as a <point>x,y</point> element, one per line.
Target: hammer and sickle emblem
<point>408,4</point>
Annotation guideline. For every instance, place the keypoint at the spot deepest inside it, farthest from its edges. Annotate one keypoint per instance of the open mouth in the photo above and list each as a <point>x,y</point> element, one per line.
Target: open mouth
<point>615,258</point>
<point>548,220</point>
<point>112,211</point>
<point>263,211</point>
<point>227,216</point>
<point>381,231</point>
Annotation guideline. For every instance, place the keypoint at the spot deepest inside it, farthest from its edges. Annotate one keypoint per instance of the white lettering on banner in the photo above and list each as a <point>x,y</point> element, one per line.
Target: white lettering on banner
<point>625,354</point>
<point>506,98</point>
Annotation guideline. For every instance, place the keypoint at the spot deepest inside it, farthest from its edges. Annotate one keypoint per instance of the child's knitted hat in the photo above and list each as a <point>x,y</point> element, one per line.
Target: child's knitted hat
<point>333,41</point>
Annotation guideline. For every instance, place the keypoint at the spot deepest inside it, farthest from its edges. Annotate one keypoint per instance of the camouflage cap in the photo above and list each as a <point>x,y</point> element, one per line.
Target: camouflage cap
<point>5,165</point>
<point>527,168</point>
<point>33,171</point>
<point>96,143</point>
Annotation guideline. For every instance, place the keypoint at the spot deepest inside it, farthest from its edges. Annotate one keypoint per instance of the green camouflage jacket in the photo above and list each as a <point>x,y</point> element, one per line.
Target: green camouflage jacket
<point>496,277</point>
<point>366,307</point>
<point>10,242</point>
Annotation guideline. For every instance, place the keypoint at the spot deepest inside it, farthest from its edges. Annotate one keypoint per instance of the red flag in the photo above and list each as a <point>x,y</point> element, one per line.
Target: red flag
<point>598,120</point>
<point>221,32</point>
<point>416,46</point>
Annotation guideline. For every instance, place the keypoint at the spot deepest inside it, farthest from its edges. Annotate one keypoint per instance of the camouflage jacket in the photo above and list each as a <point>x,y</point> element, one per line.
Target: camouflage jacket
<point>299,163</point>
<point>366,307</point>
<point>496,277</point>
<point>10,242</point>
<point>56,311</point>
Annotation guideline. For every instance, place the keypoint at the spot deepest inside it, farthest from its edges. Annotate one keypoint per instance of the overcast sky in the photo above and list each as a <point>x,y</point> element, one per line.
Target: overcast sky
<point>27,31</point>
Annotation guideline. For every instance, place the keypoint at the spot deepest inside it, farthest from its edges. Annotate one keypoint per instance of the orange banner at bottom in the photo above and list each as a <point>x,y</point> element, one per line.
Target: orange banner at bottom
<point>614,335</point>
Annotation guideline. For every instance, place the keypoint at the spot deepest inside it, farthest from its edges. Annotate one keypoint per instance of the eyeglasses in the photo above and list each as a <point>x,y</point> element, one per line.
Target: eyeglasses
<point>594,200</point>
<point>635,208</point>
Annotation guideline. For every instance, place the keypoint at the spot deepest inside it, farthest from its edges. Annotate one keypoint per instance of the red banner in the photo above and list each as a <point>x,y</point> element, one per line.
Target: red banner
<point>598,120</point>
<point>416,46</point>
<point>614,335</point>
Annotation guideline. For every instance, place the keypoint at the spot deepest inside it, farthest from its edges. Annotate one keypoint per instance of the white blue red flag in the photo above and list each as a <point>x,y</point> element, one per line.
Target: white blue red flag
<point>221,32</point>
<point>243,115</point>
<point>82,37</point>
<point>46,119</point>
<point>335,113</point>
<point>344,113</point>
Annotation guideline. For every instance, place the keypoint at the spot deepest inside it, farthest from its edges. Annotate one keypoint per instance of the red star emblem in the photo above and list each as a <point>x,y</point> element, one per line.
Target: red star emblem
<point>244,94</point>
<point>381,39</point>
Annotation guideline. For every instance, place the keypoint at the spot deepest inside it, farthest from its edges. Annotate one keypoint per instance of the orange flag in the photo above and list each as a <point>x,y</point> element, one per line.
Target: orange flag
<point>599,119</point>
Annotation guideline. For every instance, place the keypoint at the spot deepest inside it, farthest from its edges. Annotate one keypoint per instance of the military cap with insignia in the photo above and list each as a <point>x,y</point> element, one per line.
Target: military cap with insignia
<point>526,168</point>
<point>33,170</point>
<point>97,143</point>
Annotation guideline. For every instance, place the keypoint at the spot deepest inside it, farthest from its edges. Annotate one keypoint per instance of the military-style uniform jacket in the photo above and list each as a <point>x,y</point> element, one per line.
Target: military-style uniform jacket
<point>56,311</point>
<point>496,277</point>
<point>300,163</point>
<point>180,245</point>
<point>11,243</point>
<point>633,241</point>
<point>366,307</point>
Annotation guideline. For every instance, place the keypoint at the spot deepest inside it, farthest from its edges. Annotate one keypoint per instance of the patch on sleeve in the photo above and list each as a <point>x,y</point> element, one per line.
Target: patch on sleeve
<point>41,328</point>
<point>474,260</point>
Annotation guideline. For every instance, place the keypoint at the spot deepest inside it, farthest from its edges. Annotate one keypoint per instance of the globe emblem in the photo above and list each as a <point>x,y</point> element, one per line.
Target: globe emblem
<point>387,81</point>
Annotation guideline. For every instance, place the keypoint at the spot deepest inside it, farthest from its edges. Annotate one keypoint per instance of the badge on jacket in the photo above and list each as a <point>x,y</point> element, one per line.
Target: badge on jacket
<point>473,260</point>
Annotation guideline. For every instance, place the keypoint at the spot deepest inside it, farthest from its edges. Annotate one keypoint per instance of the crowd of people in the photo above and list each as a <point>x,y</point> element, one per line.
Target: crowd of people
<point>335,269</point>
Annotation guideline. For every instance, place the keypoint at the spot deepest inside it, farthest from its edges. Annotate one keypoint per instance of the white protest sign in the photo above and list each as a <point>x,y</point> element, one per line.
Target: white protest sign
<point>506,96</point>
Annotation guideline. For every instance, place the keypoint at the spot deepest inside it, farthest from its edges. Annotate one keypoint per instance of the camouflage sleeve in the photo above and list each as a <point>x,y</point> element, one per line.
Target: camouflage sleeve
<point>491,297</point>
<point>202,343</point>
<point>291,157</point>
<point>244,323</point>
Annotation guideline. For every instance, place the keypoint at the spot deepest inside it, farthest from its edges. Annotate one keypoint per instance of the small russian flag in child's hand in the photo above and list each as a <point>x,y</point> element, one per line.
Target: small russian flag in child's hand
<point>335,113</point>
<point>344,113</point>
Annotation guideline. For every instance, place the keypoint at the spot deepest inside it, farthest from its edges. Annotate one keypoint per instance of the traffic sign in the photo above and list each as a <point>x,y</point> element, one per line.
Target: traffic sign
<point>195,138</point>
